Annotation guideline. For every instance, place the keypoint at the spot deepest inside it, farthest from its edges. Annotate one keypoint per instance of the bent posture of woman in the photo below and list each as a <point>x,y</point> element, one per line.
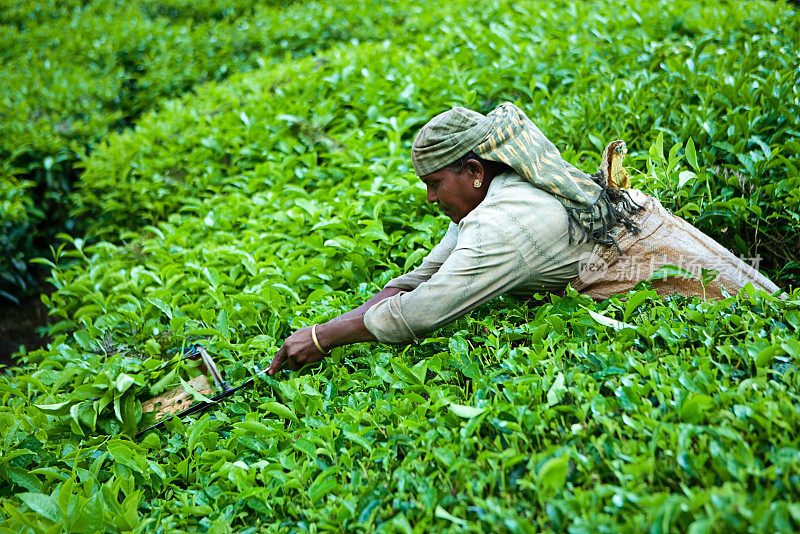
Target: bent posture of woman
<point>523,221</point>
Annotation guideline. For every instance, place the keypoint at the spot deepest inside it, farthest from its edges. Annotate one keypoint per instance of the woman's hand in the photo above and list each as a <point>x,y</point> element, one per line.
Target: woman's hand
<point>299,348</point>
<point>297,351</point>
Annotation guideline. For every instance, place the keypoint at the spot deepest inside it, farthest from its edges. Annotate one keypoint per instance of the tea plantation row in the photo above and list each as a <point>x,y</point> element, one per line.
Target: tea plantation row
<point>73,72</point>
<point>283,196</point>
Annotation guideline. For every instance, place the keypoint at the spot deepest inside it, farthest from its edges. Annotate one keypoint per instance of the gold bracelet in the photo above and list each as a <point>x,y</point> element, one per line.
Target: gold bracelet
<point>316,342</point>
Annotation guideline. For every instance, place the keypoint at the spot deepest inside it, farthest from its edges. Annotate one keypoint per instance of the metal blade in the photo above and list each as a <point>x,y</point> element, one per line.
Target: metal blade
<point>203,405</point>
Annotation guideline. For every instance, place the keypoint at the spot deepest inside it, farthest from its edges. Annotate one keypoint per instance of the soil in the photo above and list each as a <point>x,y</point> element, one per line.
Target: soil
<point>18,324</point>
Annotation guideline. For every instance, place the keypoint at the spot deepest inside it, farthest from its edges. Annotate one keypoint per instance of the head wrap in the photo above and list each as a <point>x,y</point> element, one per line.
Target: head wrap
<point>447,137</point>
<point>508,136</point>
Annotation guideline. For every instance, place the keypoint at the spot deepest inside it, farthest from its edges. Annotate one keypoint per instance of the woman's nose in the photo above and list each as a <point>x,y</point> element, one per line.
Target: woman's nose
<point>431,195</point>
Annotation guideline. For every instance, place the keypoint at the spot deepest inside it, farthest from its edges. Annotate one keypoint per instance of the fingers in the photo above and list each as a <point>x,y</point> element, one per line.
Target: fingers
<point>297,361</point>
<point>282,357</point>
<point>277,361</point>
<point>297,351</point>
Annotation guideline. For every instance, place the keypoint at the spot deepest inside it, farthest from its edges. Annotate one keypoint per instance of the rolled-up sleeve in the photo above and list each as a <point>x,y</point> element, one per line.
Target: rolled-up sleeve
<point>430,264</point>
<point>483,264</point>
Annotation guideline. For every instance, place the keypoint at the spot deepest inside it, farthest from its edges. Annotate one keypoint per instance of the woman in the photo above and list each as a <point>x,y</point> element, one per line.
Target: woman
<point>523,221</point>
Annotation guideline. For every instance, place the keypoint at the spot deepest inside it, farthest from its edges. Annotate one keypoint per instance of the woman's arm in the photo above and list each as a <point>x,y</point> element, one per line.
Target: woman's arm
<point>299,348</point>
<point>361,310</point>
<point>486,263</point>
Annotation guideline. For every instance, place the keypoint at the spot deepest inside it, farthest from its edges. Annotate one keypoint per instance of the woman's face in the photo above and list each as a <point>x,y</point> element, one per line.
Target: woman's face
<point>456,194</point>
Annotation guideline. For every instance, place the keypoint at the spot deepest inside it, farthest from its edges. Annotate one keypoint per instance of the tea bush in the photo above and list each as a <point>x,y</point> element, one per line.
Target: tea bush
<point>74,72</point>
<point>284,196</point>
<point>15,207</point>
<point>742,178</point>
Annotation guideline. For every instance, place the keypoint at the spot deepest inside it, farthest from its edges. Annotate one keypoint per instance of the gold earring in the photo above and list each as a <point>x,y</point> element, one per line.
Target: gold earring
<point>476,184</point>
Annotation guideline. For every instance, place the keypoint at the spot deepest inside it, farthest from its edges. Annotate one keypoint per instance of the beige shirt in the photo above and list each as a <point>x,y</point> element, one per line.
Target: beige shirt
<point>516,241</point>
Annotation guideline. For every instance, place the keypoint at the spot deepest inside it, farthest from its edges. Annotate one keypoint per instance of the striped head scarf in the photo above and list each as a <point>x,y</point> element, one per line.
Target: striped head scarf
<point>508,136</point>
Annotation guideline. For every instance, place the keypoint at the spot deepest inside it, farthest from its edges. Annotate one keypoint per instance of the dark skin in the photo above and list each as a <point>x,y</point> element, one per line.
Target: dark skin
<point>457,196</point>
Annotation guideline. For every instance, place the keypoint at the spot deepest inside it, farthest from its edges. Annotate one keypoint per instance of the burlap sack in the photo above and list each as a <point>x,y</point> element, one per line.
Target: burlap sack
<point>664,239</point>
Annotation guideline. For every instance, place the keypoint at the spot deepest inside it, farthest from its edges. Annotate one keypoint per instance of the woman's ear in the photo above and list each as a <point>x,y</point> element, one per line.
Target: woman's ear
<point>474,170</point>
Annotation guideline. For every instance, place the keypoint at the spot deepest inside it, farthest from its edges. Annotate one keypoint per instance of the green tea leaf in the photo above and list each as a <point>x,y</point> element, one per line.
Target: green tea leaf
<point>124,382</point>
<point>196,395</point>
<point>405,373</point>
<point>553,473</point>
<point>684,177</point>
<point>196,433</point>
<point>608,321</point>
<point>694,408</point>
<point>280,410</point>
<point>25,479</point>
<point>667,271</point>
<point>792,347</point>
<point>127,455</point>
<point>61,408</point>
<point>257,429</point>
<point>321,488</point>
<point>441,513</point>
<point>709,275</point>
<point>636,300</point>
<point>44,505</point>
<point>556,390</point>
<point>467,412</point>
<point>657,148</point>
<point>691,155</point>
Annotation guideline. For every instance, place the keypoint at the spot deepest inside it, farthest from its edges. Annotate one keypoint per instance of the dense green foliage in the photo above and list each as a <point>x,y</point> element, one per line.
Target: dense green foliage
<point>283,196</point>
<point>733,94</point>
<point>73,72</point>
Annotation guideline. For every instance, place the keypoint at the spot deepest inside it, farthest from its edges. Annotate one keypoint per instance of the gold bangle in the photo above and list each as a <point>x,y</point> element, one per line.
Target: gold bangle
<point>316,342</point>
